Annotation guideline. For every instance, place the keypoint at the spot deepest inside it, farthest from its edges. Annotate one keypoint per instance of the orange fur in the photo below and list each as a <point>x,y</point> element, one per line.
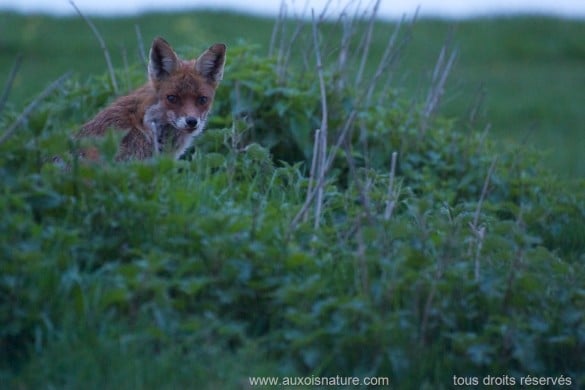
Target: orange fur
<point>168,112</point>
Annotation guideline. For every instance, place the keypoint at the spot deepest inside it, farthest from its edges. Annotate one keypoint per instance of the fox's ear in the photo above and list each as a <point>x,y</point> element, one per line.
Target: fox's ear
<point>210,63</point>
<point>163,60</point>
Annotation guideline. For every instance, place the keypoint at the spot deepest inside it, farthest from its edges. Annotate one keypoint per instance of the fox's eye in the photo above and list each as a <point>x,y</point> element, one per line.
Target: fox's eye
<point>202,100</point>
<point>172,99</point>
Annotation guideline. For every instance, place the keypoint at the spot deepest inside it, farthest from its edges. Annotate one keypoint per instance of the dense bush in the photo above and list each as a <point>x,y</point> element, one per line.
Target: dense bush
<point>197,262</point>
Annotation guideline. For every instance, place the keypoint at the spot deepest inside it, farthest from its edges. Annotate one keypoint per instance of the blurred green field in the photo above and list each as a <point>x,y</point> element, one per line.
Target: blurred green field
<point>530,70</point>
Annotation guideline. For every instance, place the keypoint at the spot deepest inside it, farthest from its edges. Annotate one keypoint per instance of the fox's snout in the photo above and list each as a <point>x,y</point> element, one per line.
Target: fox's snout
<point>191,122</point>
<point>188,123</point>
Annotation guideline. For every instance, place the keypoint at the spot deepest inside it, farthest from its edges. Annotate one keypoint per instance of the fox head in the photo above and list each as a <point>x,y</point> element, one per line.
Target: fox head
<point>184,93</point>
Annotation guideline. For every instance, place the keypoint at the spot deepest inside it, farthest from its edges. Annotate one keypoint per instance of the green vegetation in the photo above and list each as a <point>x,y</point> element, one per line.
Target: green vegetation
<point>526,70</point>
<point>468,260</point>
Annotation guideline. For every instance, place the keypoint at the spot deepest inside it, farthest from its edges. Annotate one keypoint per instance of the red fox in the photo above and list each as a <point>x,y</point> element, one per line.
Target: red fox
<point>168,112</point>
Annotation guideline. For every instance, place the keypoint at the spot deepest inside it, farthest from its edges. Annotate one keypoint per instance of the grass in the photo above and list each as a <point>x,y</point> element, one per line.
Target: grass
<point>529,69</point>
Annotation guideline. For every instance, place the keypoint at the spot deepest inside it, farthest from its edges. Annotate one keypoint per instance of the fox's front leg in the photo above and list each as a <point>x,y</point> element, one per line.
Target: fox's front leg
<point>134,146</point>
<point>154,127</point>
<point>144,140</point>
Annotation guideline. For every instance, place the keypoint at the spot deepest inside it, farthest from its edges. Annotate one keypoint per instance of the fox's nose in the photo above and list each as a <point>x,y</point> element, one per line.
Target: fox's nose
<point>191,122</point>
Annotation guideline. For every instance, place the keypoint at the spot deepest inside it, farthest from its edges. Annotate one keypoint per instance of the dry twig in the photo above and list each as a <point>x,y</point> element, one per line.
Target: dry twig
<point>479,231</point>
<point>141,51</point>
<point>10,81</point>
<point>391,201</point>
<point>323,133</point>
<point>439,79</point>
<point>367,43</point>
<point>102,43</point>
<point>27,111</point>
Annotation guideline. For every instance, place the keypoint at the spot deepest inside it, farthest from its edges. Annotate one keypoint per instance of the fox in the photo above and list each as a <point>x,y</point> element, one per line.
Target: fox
<point>167,113</point>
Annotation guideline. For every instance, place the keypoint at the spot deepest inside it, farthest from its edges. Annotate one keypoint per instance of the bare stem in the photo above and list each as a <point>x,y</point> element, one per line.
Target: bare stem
<point>367,43</point>
<point>277,23</point>
<point>102,43</point>
<point>477,104</point>
<point>324,119</point>
<point>27,111</point>
<point>126,67</point>
<point>280,58</point>
<point>317,186</point>
<point>284,61</point>
<point>440,74</point>
<point>313,172</point>
<point>479,231</point>
<point>391,201</point>
<point>141,51</point>
<point>10,81</point>
<point>362,276</point>
<point>320,183</point>
<point>484,190</point>
<point>344,50</point>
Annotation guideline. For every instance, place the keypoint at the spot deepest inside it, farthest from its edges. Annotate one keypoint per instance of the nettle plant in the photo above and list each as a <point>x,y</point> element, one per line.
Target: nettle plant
<point>323,219</point>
